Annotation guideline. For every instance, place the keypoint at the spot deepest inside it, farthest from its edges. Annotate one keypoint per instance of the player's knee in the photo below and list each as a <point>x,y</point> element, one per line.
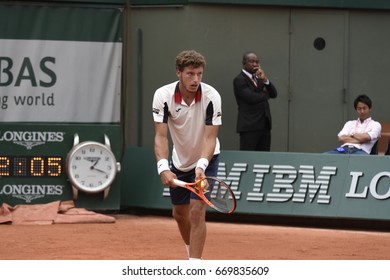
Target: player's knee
<point>180,216</point>
<point>197,215</point>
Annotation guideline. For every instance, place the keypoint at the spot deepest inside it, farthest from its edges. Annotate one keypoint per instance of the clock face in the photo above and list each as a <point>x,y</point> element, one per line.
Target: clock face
<point>91,166</point>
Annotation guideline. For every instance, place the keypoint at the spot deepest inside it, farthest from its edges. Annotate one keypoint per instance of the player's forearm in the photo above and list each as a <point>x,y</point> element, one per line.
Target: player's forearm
<point>161,148</point>
<point>210,140</point>
<point>208,149</point>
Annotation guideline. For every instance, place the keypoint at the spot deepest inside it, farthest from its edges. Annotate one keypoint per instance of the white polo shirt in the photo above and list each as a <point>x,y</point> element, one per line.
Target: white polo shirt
<point>186,123</point>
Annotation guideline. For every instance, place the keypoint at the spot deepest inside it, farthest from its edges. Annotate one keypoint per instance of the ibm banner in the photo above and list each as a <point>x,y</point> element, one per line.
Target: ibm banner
<point>272,183</point>
<point>60,64</point>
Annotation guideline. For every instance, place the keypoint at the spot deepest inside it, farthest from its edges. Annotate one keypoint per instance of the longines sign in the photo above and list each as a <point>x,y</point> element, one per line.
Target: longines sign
<point>28,193</point>
<point>30,139</point>
<point>33,161</point>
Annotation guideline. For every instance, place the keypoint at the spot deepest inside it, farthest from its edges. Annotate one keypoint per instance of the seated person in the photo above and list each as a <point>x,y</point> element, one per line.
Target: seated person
<point>359,136</point>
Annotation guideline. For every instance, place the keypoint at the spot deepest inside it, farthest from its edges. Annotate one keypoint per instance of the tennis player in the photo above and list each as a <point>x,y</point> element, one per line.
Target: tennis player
<point>191,111</point>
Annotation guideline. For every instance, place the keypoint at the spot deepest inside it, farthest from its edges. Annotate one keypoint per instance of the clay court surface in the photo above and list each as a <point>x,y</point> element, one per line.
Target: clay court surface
<point>134,237</point>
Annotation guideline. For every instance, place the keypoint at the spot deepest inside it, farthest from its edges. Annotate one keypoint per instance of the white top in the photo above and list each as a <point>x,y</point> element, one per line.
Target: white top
<point>373,128</point>
<point>186,123</point>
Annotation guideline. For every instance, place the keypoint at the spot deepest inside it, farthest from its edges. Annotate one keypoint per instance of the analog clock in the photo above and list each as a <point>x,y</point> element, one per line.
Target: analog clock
<point>91,166</point>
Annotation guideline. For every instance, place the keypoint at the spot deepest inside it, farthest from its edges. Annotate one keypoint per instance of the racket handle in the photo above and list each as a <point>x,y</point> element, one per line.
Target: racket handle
<point>179,182</point>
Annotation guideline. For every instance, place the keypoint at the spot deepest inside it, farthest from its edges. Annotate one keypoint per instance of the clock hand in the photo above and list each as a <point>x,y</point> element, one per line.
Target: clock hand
<point>96,161</point>
<point>99,170</point>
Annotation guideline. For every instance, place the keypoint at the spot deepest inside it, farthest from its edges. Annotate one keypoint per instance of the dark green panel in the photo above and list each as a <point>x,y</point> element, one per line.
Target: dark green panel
<point>60,23</point>
<point>354,4</point>
<point>92,2</point>
<point>109,2</point>
<point>141,186</point>
<point>159,2</point>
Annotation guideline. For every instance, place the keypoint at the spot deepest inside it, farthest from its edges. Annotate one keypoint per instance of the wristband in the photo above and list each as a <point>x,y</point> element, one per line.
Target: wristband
<point>162,165</point>
<point>202,163</point>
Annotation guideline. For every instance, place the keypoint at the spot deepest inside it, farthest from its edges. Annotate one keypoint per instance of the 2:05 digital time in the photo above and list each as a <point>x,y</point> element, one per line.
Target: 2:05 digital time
<point>30,166</point>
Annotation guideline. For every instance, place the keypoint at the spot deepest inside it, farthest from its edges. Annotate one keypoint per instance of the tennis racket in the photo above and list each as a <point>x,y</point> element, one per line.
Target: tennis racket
<point>216,193</point>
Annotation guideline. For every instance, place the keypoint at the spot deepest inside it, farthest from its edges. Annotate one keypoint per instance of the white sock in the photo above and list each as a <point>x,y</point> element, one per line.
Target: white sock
<point>188,250</point>
<point>194,259</point>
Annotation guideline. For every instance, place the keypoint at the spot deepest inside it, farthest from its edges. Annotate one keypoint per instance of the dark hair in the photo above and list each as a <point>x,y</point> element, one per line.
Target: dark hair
<point>189,58</point>
<point>363,99</point>
<point>245,57</point>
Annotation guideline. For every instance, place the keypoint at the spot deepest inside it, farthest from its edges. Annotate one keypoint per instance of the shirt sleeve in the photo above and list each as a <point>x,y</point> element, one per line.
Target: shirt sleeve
<point>216,113</point>
<point>375,131</point>
<point>346,129</point>
<point>160,107</point>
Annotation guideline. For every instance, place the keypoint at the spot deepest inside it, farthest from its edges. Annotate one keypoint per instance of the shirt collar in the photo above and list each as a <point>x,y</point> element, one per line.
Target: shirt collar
<point>247,73</point>
<point>178,98</point>
<point>365,121</point>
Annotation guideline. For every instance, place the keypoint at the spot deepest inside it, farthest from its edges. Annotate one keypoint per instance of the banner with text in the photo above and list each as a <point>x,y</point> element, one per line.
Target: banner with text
<point>60,64</point>
<point>296,184</point>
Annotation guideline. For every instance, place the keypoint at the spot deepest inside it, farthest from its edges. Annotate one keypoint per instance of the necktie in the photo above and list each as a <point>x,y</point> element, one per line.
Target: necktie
<point>254,79</point>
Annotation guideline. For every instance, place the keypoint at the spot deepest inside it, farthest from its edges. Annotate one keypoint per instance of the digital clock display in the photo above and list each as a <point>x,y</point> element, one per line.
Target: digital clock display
<point>30,166</point>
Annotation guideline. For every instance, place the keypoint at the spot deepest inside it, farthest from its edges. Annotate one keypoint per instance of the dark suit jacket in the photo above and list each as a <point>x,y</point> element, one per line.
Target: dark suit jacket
<point>253,107</point>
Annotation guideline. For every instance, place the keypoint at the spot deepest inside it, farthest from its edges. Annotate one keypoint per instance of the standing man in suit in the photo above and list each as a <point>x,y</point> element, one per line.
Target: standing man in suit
<point>252,90</point>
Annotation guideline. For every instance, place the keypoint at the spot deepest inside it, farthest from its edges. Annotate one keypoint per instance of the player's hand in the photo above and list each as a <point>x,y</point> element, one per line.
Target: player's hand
<point>199,174</point>
<point>167,177</point>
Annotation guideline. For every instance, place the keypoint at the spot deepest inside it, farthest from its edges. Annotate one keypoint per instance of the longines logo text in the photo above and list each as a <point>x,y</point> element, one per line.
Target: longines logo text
<point>29,139</point>
<point>31,192</point>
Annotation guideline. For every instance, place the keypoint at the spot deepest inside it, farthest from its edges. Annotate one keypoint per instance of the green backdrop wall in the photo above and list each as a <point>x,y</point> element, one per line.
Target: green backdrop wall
<point>354,4</point>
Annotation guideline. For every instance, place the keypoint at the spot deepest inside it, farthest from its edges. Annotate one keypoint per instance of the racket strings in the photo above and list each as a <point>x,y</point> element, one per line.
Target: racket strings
<point>220,195</point>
